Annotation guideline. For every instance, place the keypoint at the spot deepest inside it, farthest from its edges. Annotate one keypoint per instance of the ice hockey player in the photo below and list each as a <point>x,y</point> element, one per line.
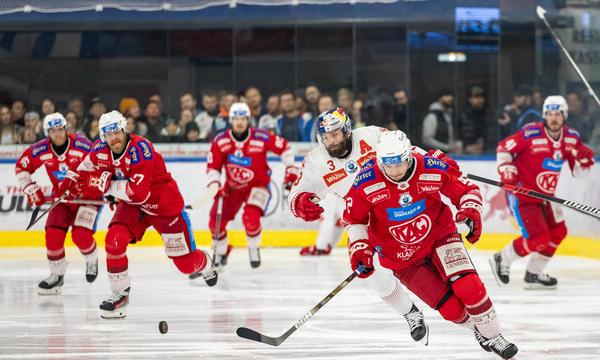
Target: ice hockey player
<point>330,169</point>
<point>396,208</point>
<point>533,158</point>
<point>242,153</point>
<point>59,153</point>
<point>128,167</point>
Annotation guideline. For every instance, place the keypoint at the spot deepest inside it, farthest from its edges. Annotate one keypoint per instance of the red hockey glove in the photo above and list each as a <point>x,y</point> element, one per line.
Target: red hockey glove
<point>100,182</point>
<point>35,195</point>
<point>584,156</point>
<point>305,206</point>
<point>508,173</point>
<point>470,214</point>
<point>290,177</point>
<point>70,186</point>
<point>361,253</point>
<point>439,154</point>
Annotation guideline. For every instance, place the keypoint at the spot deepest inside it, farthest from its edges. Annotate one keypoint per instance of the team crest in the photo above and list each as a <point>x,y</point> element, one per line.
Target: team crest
<point>63,167</point>
<point>351,166</point>
<point>119,174</point>
<point>557,155</point>
<point>405,199</point>
<point>238,153</point>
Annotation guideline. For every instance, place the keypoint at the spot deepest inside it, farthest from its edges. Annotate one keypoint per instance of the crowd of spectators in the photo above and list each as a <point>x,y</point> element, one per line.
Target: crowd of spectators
<point>476,129</point>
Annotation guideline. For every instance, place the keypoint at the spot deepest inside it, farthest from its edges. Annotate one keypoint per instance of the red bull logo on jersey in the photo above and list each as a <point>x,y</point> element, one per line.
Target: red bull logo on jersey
<point>547,181</point>
<point>240,174</point>
<point>412,232</point>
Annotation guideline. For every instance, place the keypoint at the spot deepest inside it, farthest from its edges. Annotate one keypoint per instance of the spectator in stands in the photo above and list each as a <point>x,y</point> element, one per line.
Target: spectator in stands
<point>136,127</point>
<point>32,131</point>
<point>269,120</point>
<point>254,101</point>
<point>192,133</point>
<point>301,104</point>
<point>206,119</point>
<point>537,97</point>
<point>73,123</point>
<point>472,122</point>
<point>130,107</point>
<point>312,95</point>
<point>188,101</point>
<point>91,131</point>
<point>157,98</point>
<point>291,124</point>
<point>345,97</point>
<point>48,107</point>
<point>325,103</point>
<point>171,132</point>
<point>378,109</point>
<point>96,109</point>
<point>77,106</point>
<point>17,112</point>
<point>400,111</point>
<point>185,117</point>
<point>519,113</point>
<point>226,99</point>
<point>578,118</point>
<point>9,131</point>
<point>152,121</point>
<point>439,128</point>
<point>356,113</point>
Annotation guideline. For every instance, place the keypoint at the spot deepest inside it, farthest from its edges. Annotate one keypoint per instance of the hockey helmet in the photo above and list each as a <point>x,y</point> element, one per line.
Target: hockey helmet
<point>55,120</point>
<point>554,103</point>
<point>393,148</point>
<point>334,119</point>
<point>239,109</point>
<point>111,122</point>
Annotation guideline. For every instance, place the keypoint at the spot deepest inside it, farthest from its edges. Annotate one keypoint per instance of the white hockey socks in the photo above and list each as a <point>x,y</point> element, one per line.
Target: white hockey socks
<point>389,289</point>
<point>119,281</point>
<point>58,267</point>
<point>537,263</point>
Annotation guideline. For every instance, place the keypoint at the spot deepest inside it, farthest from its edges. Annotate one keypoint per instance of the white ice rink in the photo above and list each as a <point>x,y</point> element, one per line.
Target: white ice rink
<point>561,324</point>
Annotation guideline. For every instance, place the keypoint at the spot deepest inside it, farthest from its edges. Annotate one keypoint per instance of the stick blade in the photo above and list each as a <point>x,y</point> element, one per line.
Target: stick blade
<point>256,336</point>
<point>33,219</point>
<point>541,12</point>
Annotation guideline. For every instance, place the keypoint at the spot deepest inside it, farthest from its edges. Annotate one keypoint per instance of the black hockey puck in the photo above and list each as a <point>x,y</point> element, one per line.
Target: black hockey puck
<point>163,327</point>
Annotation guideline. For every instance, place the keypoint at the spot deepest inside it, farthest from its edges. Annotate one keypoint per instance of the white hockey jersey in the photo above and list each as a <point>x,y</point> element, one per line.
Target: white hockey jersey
<point>322,174</point>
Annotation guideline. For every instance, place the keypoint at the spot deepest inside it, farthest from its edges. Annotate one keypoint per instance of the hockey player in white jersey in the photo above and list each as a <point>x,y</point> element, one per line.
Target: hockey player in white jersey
<point>331,168</point>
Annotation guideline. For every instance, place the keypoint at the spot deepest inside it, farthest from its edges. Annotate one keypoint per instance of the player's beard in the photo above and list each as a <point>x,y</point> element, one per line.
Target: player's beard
<point>340,150</point>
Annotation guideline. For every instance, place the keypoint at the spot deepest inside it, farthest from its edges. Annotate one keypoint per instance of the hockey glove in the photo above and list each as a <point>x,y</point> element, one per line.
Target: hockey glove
<point>101,182</point>
<point>290,177</point>
<point>508,173</point>
<point>70,186</point>
<point>305,206</point>
<point>584,156</point>
<point>470,214</point>
<point>361,253</point>
<point>35,195</point>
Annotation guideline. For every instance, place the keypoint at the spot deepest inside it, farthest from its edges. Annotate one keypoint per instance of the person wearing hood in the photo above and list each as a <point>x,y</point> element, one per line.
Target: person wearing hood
<point>439,131</point>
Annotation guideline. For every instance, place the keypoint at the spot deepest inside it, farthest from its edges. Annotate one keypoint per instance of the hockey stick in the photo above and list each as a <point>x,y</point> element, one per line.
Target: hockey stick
<point>256,336</point>
<point>584,209</point>
<point>542,15</point>
<point>34,216</point>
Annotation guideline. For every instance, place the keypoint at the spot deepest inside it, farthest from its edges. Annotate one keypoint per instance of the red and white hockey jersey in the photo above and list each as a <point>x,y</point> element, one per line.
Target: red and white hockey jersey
<point>404,219</point>
<point>42,154</point>
<point>539,158</point>
<point>139,176</point>
<point>245,162</point>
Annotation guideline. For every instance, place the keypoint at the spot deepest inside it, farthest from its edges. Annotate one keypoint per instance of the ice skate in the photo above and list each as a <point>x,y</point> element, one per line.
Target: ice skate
<point>500,269</point>
<point>91,270</point>
<point>539,281</point>
<point>254,254</point>
<point>419,330</point>
<point>115,307</point>
<point>52,285</point>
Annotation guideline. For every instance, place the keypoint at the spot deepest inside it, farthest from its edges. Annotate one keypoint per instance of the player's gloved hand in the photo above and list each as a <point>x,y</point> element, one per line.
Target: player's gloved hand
<point>584,156</point>
<point>290,177</point>
<point>361,253</point>
<point>470,214</point>
<point>70,186</point>
<point>35,195</point>
<point>439,154</point>
<point>219,191</point>
<point>508,173</point>
<point>113,202</point>
<point>100,182</point>
<point>306,206</point>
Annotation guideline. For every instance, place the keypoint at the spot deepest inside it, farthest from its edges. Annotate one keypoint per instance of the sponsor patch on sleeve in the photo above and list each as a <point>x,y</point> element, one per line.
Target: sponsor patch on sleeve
<point>146,150</point>
<point>433,163</point>
<point>364,177</point>
<point>529,132</point>
<point>98,146</point>
<point>134,154</point>
<point>39,148</point>
<point>82,144</point>
<point>573,132</point>
<point>261,134</point>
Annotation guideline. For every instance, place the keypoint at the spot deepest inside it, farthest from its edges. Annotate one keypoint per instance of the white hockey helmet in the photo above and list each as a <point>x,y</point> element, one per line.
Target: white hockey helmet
<point>239,109</point>
<point>555,102</point>
<point>334,119</point>
<point>54,120</point>
<point>393,148</point>
<point>111,122</point>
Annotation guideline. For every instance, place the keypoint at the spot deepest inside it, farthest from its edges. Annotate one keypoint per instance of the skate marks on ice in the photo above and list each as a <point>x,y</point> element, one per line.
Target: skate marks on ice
<point>560,324</point>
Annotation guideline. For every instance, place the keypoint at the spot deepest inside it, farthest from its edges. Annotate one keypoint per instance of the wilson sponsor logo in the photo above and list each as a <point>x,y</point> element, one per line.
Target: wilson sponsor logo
<point>367,161</point>
<point>334,177</point>
<point>428,187</point>
<point>379,196</point>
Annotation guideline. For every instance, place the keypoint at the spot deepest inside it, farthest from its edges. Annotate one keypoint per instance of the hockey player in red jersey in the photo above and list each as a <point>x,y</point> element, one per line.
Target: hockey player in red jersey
<point>533,158</point>
<point>58,153</point>
<point>396,209</point>
<point>242,153</point>
<point>128,167</point>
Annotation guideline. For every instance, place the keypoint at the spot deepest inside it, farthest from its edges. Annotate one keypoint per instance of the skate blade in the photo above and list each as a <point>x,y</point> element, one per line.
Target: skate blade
<point>54,291</point>
<point>425,339</point>
<point>116,314</point>
<point>496,277</point>
<point>539,287</point>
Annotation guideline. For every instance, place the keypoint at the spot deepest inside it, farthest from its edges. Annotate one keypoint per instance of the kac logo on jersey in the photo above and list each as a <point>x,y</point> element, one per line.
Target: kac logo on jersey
<point>405,199</point>
<point>240,174</point>
<point>239,160</point>
<point>547,181</point>
<point>412,232</point>
<point>406,212</point>
<point>351,166</point>
<point>433,163</point>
